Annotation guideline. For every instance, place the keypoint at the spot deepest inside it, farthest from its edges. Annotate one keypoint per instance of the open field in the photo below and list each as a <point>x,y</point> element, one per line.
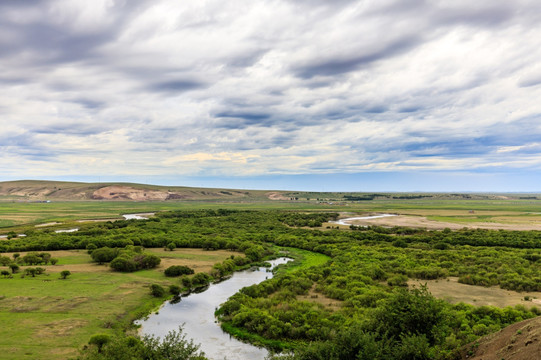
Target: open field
<point>512,214</point>
<point>48,318</point>
<point>454,292</point>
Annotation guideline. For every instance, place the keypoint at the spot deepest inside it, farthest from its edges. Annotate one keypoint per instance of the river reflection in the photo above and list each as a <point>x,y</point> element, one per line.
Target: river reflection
<point>196,312</point>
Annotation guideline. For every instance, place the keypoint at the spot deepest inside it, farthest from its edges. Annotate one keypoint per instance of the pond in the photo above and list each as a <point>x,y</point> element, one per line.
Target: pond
<point>196,312</point>
<point>143,216</point>
<point>347,221</point>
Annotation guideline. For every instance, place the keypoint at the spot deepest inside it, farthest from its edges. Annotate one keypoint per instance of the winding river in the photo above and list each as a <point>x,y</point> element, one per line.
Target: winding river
<point>196,312</point>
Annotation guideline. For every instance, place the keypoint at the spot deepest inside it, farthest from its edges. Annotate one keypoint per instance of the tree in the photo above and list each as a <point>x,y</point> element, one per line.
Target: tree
<point>32,259</point>
<point>99,340</point>
<point>65,273</point>
<point>411,312</point>
<point>14,268</point>
<point>5,273</point>
<point>31,271</point>
<point>53,261</point>
<point>171,246</point>
<point>45,256</point>
<point>173,346</point>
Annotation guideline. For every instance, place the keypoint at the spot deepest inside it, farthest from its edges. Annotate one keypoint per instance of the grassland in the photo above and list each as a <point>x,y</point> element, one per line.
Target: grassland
<point>16,216</point>
<point>45,317</point>
<point>49,318</point>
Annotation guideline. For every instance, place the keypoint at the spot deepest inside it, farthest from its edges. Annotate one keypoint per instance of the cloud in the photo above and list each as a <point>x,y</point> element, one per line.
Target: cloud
<point>253,88</point>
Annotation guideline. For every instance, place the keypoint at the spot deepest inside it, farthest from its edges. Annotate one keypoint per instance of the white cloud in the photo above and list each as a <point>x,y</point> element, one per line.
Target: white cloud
<point>254,87</point>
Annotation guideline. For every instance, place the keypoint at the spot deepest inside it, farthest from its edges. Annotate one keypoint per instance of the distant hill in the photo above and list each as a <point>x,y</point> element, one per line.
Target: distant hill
<point>37,190</point>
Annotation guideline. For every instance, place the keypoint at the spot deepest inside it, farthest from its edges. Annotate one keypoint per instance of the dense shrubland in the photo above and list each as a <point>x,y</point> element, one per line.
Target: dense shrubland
<point>367,271</point>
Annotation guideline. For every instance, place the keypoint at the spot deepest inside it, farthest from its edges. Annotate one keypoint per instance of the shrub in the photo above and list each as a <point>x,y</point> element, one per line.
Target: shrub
<point>65,273</point>
<point>398,280</point>
<point>124,264</point>
<point>147,261</point>
<point>174,290</point>
<point>103,255</point>
<point>200,279</point>
<point>178,270</point>
<point>5,261</point>
<point>91,247</point>
<point>186,282</point>
<point>157,290</point>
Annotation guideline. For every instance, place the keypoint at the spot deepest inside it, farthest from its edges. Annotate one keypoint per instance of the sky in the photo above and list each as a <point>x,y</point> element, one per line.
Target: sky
<point>372,95</point>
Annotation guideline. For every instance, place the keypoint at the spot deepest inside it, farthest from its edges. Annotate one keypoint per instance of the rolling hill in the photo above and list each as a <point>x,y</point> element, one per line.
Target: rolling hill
<point>37,190</point>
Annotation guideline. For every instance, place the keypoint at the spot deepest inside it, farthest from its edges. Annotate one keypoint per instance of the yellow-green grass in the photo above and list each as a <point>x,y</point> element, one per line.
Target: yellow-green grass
<point>45,317</point>
<point>454,292</point>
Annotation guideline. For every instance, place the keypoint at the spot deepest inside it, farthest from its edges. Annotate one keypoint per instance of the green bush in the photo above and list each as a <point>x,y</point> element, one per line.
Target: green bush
<point>178,270</point>
<point>200,279</point>
<point>104,254</point>
<point>124,264</point>
<point>157,290</point>
<point>174,290</point>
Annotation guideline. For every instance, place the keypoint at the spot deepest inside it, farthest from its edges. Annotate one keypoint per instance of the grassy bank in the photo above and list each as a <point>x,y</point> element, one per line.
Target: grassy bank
<point>45,317</point>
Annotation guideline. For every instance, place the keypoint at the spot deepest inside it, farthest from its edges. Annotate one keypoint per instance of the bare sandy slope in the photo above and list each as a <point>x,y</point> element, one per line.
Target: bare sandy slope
<point>276,196</point>
<point>520,341</point>
<point>117,192</point>
<point>36,190</point>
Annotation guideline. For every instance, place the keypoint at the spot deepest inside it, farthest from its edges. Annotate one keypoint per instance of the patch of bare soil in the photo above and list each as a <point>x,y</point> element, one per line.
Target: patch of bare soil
<point>453,291</point>
<point>319,298</point>
<point>520,341</point>
<point>62,327</point>
<point>423,222</point>
<point>62,305</point>
<point>276,196</point>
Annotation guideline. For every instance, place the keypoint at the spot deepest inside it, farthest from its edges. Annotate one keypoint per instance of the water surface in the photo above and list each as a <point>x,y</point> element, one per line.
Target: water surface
<point>196,311</point>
